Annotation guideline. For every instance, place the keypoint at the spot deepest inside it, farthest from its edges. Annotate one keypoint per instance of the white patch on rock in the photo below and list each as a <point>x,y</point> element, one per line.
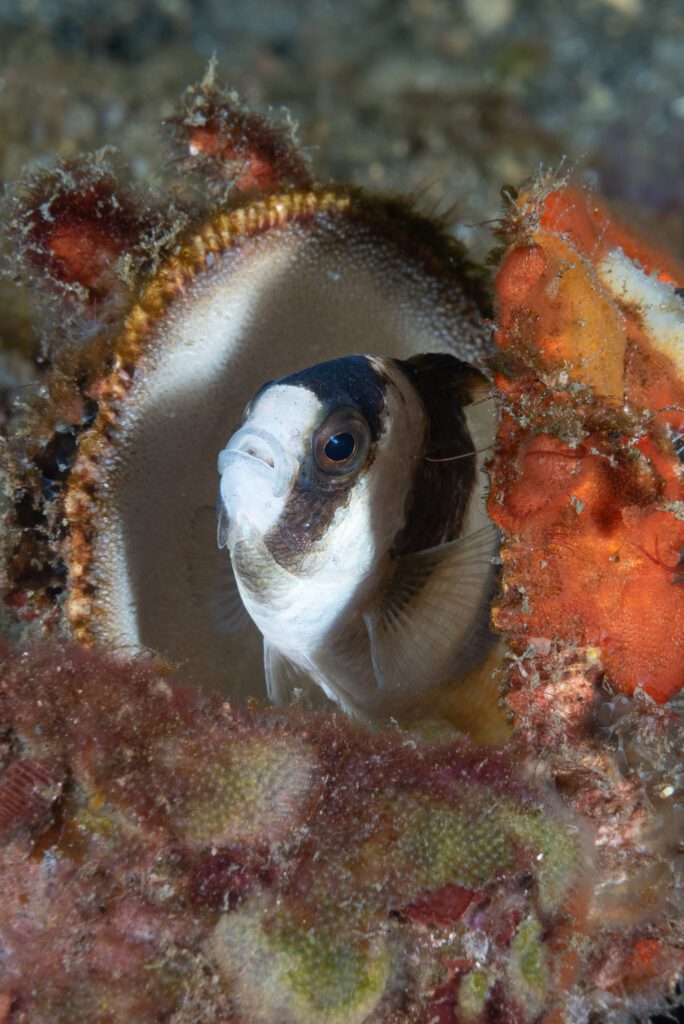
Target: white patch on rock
<point>660,308</point>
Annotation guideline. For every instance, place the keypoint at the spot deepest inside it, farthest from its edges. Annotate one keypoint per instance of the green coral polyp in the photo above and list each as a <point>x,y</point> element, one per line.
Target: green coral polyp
<point>472,995</point>
<point>527,968</point>
<point>332,976</point>
<point>472,845</point>
<point>441,845</point>
<point>249,792</point>
<point>558,853</point>
<point>298,975</point>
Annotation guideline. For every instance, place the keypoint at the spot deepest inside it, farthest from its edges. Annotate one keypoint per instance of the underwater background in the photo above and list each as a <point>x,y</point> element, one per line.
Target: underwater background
<point>445,101</point>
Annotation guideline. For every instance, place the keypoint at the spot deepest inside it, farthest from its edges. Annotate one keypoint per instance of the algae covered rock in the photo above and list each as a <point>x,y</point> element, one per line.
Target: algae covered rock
<point>166,853</point>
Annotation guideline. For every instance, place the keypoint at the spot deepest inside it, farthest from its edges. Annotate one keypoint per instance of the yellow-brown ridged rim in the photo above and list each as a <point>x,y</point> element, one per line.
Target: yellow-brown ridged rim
<point>82,501</point>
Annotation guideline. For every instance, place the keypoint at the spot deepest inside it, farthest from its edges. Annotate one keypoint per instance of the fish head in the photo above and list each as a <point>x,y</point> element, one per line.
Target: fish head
<point>321,466</point>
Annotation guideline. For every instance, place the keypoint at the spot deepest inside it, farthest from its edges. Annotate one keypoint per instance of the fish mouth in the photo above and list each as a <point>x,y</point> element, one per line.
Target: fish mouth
<point>264,454</point>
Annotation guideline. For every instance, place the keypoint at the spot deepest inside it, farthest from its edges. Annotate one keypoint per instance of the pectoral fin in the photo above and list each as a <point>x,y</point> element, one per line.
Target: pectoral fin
<point>212,580</point>
<point>432,623</point>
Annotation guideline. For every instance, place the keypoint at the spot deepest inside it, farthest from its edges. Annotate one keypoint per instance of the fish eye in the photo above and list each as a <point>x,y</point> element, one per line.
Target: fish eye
<point>341,443</point>
<point>340,447</point>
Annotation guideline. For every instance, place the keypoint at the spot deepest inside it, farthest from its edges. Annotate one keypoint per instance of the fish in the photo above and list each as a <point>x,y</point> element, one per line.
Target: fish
<point>352,504</point>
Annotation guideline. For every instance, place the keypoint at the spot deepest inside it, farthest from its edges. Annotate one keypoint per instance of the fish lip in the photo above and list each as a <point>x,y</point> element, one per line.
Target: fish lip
<point>266,455</point>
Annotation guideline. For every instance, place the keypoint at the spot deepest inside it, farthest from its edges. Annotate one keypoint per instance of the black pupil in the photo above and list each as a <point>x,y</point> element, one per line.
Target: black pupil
<point>340,447</point>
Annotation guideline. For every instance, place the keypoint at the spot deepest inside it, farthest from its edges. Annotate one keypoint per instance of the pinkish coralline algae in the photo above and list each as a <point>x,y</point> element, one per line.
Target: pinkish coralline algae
<point>169,857</point>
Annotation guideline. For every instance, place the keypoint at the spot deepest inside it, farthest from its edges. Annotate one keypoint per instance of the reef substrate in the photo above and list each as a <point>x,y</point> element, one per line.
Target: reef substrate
<point>170,857</point>
<point>175,855</point>
<point>587,486</point>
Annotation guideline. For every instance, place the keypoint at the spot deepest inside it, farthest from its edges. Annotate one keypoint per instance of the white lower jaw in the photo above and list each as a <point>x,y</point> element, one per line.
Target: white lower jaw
<point>259,451</point>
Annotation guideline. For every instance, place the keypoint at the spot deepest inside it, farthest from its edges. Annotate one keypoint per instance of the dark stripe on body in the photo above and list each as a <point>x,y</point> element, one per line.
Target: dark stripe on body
<point>437,504</point>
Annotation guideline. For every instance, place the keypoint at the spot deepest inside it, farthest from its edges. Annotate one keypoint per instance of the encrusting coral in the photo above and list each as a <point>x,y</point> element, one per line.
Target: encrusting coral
<point>588,483</point>
<point>587,487</point>
<point>171,854</point>
<point>180,856</point>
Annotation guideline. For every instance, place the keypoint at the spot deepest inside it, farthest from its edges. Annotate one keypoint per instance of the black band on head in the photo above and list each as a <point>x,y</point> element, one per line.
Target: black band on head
<point>352,381</point>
